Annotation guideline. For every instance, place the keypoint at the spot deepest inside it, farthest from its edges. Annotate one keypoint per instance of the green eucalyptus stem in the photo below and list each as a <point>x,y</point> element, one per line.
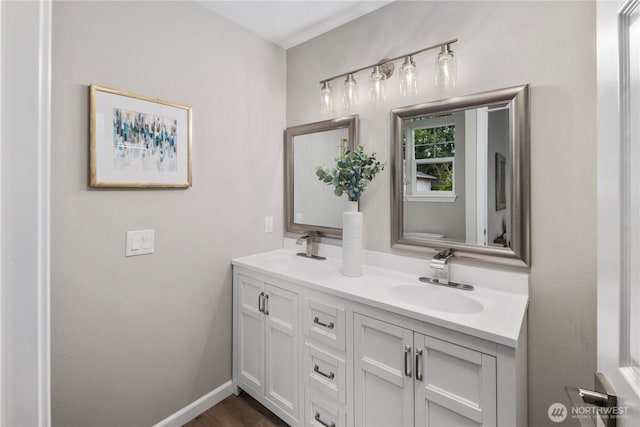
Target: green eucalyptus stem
<point>352,174</point>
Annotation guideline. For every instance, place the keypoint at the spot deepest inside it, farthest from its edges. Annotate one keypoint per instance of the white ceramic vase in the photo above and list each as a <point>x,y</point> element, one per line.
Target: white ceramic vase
<point>352,255</point>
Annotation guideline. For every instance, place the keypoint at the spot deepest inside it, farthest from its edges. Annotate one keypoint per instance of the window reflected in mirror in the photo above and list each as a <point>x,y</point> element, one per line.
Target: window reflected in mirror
<point>455,174</point>
<point>429,148</point>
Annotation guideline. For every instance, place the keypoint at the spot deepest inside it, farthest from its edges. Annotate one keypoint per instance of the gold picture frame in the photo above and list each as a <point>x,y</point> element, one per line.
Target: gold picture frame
<point>137,141</point>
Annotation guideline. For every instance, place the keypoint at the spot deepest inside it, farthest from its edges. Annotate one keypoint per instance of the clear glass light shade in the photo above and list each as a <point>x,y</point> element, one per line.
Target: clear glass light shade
<point>350,93</point>
<point>376,85</point>
<point>446,69</point>
<point>408,77</point>
<point>326,98</point>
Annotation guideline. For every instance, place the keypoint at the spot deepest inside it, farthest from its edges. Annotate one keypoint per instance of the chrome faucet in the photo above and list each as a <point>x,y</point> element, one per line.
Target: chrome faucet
<point>311,238</point>
<point>439,262</point>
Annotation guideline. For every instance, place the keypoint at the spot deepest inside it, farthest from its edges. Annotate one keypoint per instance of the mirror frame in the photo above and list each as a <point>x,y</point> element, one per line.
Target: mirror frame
<point>519,254</point>
<point>351,123</point>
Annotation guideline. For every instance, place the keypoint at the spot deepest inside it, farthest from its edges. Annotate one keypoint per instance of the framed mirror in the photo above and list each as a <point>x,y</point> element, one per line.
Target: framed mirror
<point>460,176</point>
<point>309,203</point>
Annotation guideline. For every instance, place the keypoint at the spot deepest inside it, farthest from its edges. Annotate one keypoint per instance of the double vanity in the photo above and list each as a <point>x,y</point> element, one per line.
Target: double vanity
<point>384,349</point>
<point>387,348</point>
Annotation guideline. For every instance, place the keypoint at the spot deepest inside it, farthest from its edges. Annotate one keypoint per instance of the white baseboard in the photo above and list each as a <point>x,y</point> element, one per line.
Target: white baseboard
<point>196,408</point>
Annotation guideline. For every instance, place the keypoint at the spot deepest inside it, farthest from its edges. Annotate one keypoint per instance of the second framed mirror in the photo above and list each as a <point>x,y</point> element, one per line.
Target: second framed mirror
<point>309,203</point>
<point>461,176</point>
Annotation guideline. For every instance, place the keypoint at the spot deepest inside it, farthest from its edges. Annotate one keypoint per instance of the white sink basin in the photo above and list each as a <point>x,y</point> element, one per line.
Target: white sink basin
<point>437,299</point>
<point>279,257</point>
<point>290,261</point>
<point>282,261</point>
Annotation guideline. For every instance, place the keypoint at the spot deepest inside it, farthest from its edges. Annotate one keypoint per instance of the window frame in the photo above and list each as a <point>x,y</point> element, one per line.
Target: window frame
<point>411,194</point>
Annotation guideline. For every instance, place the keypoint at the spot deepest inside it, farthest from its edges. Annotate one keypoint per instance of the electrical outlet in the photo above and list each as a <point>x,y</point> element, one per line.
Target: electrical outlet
<point>268,224</point>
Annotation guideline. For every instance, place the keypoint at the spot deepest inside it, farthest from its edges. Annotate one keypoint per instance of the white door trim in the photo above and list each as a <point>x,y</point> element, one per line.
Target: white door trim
<point>613,149</point>
<point>624,16</point>
<point>25,142</point>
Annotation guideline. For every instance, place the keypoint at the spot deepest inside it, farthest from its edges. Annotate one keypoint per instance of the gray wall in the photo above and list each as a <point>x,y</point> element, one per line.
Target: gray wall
<point>136,339</point>
<point>314,201</point>
<point>550,45</point>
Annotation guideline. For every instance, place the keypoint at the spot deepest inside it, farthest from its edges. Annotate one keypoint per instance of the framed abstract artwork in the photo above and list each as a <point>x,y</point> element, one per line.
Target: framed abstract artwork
<point>138,141</point>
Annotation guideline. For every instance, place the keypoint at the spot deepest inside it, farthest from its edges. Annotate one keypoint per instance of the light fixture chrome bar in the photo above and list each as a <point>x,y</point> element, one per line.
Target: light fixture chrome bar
<point>384,61</point>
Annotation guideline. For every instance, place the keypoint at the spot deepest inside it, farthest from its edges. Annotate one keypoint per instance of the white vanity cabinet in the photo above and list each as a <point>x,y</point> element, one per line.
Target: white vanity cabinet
<point>266,331</point>
<point>321,350</point>
<point>404,378</point>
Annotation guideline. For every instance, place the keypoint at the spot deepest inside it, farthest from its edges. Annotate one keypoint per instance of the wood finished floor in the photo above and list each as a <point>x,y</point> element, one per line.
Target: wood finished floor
<point>237,411</point>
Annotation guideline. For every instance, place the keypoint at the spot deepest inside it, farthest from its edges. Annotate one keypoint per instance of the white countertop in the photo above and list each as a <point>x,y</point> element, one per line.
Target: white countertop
<point>499,321</point>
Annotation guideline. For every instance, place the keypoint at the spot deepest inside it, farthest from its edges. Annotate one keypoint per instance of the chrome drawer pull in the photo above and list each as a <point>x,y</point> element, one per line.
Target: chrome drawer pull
<point>265,307</point>
<point>418,356</point>
<point>331,424</point>
<point>318,322</point>
<point>407,364</point>
<point>261,302</point>
<point>317,370</point>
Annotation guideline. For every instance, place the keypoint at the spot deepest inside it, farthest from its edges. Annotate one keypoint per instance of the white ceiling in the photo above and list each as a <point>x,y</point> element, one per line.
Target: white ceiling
<point>289,23</point>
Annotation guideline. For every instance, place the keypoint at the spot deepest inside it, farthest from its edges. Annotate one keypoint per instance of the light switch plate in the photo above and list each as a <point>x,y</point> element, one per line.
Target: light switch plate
<point>140,242</point>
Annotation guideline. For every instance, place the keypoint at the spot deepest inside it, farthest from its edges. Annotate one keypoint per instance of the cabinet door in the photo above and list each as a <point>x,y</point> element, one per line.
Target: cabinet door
<point>282,355</point>
<point>383,373</point>
<point>250,334</point>
<point>454,386</point>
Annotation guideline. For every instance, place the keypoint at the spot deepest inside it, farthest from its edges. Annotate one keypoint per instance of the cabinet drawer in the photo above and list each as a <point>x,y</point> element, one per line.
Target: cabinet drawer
<point>322,412</point>
<point>325,372</point>
<point>325,323</point>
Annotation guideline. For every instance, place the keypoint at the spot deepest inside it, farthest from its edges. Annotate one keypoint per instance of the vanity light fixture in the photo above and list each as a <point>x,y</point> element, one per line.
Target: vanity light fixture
<point>408,77</point>
<point>382,70</point>
<point>350,93</point>
<point>446,72</point>
<point>376,85</point>
<point>326,98</point>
